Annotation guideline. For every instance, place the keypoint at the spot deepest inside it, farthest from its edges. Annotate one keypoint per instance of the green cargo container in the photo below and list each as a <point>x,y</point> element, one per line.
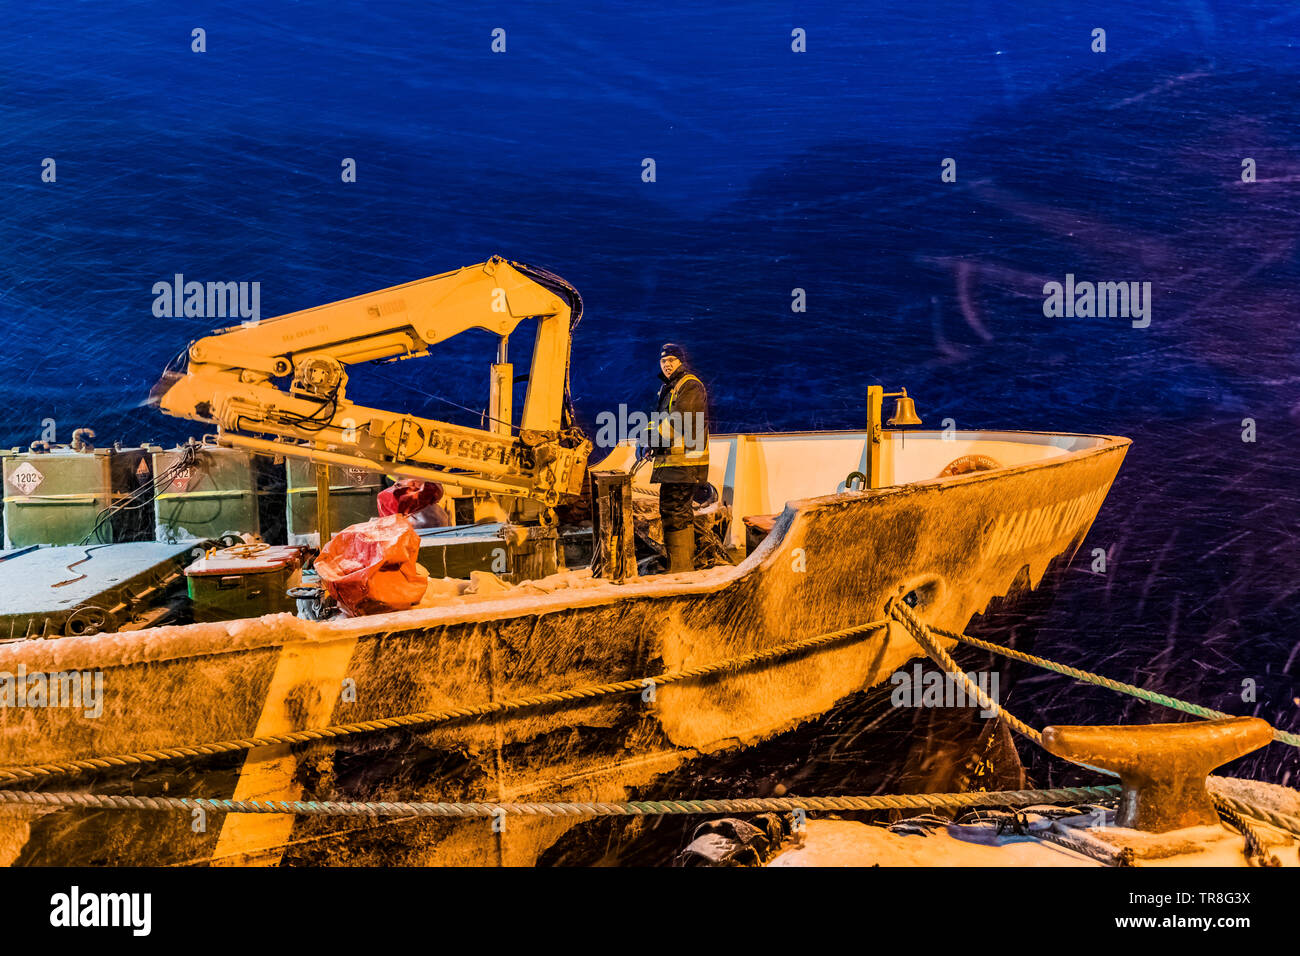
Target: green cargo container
<point>457,551</point>
<point>215,494</point>
<point>354,497</point>
<point>62,497</point>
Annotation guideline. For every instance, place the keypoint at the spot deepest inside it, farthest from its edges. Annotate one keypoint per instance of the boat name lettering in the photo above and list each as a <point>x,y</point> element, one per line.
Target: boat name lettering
<point>1018,530</point>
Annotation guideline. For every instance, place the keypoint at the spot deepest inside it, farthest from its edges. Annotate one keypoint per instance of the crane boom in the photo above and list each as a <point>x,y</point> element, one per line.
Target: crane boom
<point>286,378</point>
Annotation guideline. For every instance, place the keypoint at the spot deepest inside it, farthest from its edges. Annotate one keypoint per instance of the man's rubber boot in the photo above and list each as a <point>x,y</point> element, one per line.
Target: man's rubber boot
<point>681,550</point>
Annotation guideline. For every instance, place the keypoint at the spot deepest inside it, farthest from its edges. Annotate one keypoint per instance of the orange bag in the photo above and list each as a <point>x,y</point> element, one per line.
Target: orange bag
<point>371,567</point>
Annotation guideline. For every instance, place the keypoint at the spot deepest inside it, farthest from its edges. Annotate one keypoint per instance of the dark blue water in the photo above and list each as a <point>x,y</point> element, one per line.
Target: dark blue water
<point>775,170</point>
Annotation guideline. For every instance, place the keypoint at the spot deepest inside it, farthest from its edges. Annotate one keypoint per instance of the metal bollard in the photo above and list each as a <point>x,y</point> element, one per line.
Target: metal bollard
<point>613,545</point>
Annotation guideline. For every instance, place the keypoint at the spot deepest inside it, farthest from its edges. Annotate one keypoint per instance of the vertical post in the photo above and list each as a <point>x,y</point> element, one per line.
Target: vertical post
<point>501,391</point>
<point>323,504</point>
<point>875,402</point>
<point>613,554</point>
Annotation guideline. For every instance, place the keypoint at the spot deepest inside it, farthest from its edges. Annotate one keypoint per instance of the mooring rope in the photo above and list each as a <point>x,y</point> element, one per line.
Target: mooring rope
<point>920,801</point>
<point>1280,821</point>
<point>1087,677</point>
<point>921,634</point>
<point>1255,849</point>
<point>1233,810</point>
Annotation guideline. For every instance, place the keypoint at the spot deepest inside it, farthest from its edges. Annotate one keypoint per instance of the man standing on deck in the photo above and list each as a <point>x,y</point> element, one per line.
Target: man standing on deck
<point>679,445</point>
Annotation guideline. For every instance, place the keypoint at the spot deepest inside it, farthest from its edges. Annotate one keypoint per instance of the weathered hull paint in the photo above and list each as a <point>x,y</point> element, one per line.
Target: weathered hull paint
<point>830,563</point>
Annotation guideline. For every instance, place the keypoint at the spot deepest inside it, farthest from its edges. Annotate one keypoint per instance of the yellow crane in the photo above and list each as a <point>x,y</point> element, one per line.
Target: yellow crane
<point>278,387</point>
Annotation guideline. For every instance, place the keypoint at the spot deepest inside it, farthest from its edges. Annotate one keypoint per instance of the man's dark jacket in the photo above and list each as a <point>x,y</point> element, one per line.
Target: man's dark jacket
<point>682,455</point>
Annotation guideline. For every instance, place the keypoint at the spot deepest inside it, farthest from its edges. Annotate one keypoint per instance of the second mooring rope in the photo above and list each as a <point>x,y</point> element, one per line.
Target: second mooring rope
<point>1087,677</point>
<point>919,801</point>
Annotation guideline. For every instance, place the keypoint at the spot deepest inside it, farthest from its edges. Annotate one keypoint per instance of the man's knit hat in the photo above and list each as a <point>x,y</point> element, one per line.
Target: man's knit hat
<point>675,350</point>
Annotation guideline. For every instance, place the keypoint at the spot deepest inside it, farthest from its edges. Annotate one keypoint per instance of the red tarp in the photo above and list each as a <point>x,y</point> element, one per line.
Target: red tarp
<point>371,567</point>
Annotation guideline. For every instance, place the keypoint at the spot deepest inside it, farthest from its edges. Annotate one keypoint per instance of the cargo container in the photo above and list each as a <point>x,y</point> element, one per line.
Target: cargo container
<point>63,495</point>
<point>205,492</point>
<point>353,498</point>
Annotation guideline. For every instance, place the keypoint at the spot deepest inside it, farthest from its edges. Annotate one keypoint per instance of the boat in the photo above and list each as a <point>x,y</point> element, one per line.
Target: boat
<point>839,523</point>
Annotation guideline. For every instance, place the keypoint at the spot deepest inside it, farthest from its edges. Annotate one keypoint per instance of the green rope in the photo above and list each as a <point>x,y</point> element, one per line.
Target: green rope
<point>920,801</point>
<point>1164,700</point>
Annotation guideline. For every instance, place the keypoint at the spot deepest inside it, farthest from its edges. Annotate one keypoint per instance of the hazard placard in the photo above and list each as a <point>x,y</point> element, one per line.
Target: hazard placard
<point>181,480</point>
<point>26,478</point>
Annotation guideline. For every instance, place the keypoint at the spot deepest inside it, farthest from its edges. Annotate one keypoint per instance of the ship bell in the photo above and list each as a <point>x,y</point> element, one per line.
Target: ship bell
<point>904,411</point>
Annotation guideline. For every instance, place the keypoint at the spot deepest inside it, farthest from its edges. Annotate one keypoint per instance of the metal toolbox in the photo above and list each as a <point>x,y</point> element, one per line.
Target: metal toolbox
<point>243,581</point>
